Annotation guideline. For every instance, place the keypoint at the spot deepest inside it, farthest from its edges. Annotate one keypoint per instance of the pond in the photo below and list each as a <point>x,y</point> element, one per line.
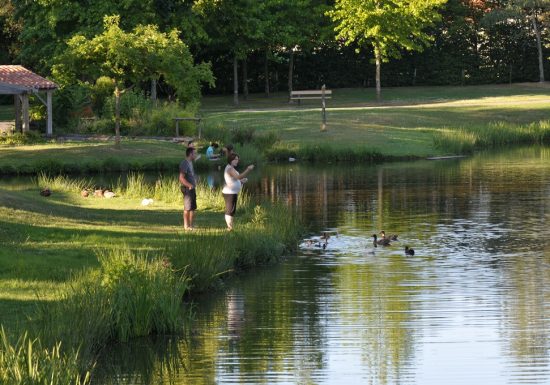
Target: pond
<point>471,306</point>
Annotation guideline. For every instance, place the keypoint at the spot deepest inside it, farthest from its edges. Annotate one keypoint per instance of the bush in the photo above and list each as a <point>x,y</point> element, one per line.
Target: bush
<point>31,137</point>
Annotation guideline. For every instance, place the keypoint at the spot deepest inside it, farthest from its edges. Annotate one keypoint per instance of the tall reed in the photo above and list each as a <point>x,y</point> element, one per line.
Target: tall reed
<point>498,134</point>
<point>29,362</point>
<point>130,295</point>
<point>62,182</point>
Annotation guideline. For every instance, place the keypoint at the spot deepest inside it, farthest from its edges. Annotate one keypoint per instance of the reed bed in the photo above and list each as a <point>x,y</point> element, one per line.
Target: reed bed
<point>27,362</point>
<point>130,295</point>
<point>62,182</point>
<point>324,153</point>
<point>494,135</point>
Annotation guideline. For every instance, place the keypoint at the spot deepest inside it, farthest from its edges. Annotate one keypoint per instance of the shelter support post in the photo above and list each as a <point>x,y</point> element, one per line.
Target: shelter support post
<point>25,112</point>
<point>49,123</point>
<point>17,105</point>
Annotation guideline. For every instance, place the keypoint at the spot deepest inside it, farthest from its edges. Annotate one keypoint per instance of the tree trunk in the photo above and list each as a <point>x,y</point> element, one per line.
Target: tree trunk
<point>378,60</point>
<point>539,46</point>
<point>266,73</point>
<point>290,72</point>
<point>154,91</point>
<point>245,79</point>
<point>235,81</point>
<point>117,116</point>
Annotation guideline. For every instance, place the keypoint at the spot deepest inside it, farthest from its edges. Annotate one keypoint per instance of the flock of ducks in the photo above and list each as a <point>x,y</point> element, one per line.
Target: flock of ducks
<point>383,240</point>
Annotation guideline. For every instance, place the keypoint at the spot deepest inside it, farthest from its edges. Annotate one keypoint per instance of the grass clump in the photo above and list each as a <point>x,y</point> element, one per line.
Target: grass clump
<point>494,135</point>
<point>130,295</point>
<point>28,362</point>
<point>62,182</point>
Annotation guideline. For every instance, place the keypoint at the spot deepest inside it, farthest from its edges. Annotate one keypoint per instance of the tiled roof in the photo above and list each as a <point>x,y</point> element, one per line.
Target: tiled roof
<point>19,75</point>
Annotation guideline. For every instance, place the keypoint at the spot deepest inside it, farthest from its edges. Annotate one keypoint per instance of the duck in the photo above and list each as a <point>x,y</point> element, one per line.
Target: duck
<point>409,251</point>
<point>381,241</point>
<point>325,236</point>
<point>46,192</point>
<point>392,237</point>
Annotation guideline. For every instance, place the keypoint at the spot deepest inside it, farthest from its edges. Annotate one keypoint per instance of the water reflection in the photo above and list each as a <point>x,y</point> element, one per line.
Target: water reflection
<point>472,305</point>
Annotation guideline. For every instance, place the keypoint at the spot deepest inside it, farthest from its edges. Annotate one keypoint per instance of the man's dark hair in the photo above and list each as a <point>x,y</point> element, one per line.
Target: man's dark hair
<point>189,151</point>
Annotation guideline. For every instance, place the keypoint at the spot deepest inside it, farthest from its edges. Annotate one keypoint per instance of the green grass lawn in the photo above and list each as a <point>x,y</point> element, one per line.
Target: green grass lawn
<point>403,124</point>
<point>47,240</point>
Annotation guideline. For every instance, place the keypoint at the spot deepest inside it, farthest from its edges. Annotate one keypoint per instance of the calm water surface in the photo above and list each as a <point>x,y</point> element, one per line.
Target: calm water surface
<point>471,307</point>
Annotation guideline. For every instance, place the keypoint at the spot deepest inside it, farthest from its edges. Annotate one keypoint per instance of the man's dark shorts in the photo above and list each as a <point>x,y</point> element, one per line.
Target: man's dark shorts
<point>189,199</point>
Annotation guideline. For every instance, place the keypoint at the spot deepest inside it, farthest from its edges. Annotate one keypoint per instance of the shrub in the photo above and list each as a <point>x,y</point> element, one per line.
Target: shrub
<point>30,137</point>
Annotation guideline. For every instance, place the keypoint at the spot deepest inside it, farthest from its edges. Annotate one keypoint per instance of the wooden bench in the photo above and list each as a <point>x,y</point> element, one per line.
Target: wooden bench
<point>310,94</point>
<point>322,94</point>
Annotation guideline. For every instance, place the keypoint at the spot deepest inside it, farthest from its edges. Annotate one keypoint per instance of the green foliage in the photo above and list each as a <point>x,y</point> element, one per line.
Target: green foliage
<point>388,26</point>
<point>29,362</point>
<point>30,137</point>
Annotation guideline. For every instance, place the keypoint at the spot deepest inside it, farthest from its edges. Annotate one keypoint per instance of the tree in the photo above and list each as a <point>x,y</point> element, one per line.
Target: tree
<point>387,25</point>
<point>234,26</point>
<point>292,26</point>
<point>132,57</point>
<point>532,12</point>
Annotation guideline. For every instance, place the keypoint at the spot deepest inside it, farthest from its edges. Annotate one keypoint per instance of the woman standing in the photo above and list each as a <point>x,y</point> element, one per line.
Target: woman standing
<point>233,185</point>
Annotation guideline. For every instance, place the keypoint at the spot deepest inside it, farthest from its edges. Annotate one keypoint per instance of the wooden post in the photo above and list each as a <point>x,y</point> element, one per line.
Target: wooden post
<point>17,102</point>
<point>177,128</point>
<point>49,123</point>
<point>25,110</point>
<point>323,104</point>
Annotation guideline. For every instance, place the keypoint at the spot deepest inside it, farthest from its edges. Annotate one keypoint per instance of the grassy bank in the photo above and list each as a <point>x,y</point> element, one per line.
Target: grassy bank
<point>93,270</point>
<point>413,122</point>
<point>408,123</point>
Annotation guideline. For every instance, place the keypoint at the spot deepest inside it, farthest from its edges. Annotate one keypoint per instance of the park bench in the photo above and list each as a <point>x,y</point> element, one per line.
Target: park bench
<point>321,94</point>
<point>310,94</point>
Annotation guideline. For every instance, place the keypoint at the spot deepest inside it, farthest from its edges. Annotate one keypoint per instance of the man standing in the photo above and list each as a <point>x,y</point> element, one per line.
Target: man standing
<point>188,184</point>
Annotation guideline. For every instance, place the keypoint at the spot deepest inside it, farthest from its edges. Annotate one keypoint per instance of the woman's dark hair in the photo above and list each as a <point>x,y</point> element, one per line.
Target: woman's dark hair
<point>214,144</point>
<point>232,157</point>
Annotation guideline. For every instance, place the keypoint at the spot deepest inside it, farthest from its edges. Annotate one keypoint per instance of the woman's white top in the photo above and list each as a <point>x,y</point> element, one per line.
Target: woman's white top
<point>232,185</point>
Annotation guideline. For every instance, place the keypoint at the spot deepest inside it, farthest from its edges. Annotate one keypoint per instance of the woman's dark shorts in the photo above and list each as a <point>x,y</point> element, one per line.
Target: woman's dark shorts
<point>230,204</point>
<point>189,199</point>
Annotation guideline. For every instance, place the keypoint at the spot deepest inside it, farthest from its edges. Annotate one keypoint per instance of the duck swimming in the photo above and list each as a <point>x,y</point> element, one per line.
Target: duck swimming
<point>381,241</point>
<point>392,237</point>
<point>409,251</point>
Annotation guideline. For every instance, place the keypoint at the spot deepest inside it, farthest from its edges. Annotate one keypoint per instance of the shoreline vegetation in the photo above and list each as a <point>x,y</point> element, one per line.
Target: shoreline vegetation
<point>79,273</point>
<point>411,123</point>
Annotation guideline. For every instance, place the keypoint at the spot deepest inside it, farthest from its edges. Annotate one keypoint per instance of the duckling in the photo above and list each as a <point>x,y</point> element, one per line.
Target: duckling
<point>392,237</point>
<point>381,241</point>
<point>46,192</point>
<point>84,193</point>
<point>409,251</point>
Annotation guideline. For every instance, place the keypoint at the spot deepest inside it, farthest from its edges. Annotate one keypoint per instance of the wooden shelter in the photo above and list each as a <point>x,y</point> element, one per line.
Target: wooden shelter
<point>18,81</point>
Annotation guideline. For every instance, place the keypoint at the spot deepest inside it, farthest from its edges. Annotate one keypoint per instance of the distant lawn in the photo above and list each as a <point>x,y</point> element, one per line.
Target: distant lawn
<point>403,124</point>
